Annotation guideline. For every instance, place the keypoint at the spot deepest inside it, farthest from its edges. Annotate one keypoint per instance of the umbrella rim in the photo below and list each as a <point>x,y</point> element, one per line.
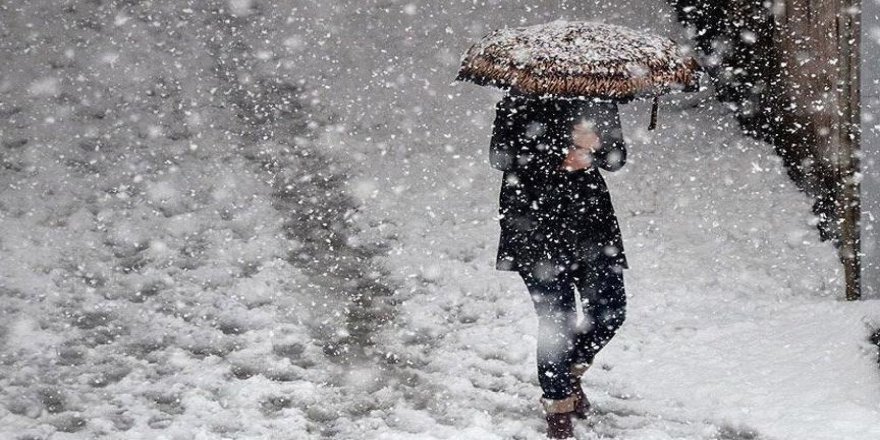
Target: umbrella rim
<point>484,67</point>
<point>685,79</point>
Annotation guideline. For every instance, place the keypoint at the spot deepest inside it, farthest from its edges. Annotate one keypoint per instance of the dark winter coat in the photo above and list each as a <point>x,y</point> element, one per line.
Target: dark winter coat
<point>552,219</point>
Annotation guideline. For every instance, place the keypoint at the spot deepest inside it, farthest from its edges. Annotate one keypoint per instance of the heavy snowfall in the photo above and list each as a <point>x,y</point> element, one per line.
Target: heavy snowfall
<point>254,219</point>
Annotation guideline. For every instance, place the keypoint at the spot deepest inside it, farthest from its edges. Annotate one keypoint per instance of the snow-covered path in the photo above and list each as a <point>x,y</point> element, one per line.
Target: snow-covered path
<point>164,303</point>
<point>735,325</point>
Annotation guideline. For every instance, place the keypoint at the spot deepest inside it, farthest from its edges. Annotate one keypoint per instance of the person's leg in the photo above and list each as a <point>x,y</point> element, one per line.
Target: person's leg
<point>602,291</point>
<point>554,301</point>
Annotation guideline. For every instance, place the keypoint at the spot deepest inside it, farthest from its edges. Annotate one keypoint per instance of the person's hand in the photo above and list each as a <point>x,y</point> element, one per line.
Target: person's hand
<point>585,141</point>
<point>577,159</point>
<point>584,136</point>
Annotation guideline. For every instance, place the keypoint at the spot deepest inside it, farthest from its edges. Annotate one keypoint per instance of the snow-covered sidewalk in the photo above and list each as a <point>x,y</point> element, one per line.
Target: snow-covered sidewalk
<point>735,329</point>
<point>164,273</point>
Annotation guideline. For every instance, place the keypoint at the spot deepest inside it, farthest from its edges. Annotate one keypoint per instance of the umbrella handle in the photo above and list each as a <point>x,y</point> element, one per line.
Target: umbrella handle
<point>653,124</point>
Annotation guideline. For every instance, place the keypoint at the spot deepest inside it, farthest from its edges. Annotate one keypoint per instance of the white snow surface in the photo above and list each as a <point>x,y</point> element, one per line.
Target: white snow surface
<point>147,289</point>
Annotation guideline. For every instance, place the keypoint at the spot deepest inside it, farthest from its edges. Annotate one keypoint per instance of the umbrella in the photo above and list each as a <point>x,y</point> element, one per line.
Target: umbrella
<point>580,59</point>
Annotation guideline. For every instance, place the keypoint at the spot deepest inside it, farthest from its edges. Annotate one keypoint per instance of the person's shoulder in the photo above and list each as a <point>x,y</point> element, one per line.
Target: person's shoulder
<point>516,103</point>
<point>592,107</point>
<point>602,104</point>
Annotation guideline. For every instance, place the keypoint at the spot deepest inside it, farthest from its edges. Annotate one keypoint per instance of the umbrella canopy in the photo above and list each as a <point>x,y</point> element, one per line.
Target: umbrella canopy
<point>579,59</point>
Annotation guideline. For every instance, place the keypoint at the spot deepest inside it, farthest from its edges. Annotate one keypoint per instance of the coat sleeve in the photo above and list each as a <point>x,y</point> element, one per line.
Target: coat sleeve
<point>502,152</point>
<point>611,156</point>
<point>516,140</point>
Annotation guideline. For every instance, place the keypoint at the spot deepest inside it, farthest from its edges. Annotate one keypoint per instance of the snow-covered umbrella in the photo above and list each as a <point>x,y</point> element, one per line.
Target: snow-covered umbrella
<point>580,59</point>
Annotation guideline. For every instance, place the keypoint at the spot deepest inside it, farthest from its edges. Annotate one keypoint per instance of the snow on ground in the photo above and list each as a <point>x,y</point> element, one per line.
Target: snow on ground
<point>177,253</point>
<point>736,328</point>
<point>164,275</point>
<point>735,325</point>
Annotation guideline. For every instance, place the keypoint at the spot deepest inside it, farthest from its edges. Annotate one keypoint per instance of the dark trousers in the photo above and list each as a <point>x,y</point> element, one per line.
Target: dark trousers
<point>561,342</point>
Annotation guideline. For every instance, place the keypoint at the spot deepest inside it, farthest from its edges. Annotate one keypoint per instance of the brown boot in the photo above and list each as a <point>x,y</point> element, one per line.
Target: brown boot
<point>582,407</point>
<point>559,414</point>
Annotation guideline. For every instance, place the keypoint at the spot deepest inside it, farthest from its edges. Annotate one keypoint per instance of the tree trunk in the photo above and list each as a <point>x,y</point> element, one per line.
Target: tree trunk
<point>791,68</point>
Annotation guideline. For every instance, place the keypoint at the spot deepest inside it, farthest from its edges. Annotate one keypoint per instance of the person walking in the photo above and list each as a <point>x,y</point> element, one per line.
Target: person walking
<point>560,233</point>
